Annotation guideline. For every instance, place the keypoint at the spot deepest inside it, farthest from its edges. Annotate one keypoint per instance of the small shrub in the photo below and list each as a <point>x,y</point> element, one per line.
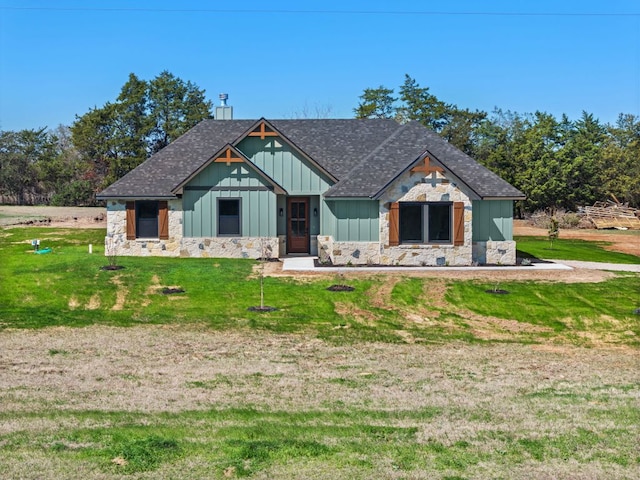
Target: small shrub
<point>554,230</point>
<point>569,220</point>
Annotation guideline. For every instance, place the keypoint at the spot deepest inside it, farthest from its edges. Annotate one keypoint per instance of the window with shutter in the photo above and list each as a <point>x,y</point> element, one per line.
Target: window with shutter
<point>426,223</point>
<point>147,219</point>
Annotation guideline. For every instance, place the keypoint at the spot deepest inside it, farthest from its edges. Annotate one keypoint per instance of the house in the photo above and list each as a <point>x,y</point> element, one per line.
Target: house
<point>351,191</point>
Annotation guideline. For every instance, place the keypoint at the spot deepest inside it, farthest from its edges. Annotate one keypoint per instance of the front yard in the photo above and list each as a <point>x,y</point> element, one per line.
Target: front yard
<point>421,376</point>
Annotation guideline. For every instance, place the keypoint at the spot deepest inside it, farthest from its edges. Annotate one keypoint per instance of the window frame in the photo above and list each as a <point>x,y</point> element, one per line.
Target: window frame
<point>140,206</point>
<point>218,223</point>
<point>425,230</point>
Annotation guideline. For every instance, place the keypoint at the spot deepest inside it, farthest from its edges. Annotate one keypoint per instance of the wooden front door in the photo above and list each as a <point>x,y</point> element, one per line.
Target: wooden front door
<point>298,225</point>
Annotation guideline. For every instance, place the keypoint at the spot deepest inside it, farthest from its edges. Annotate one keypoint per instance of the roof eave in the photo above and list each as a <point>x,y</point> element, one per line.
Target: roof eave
<point>506,197</point>
<point>135,197</point>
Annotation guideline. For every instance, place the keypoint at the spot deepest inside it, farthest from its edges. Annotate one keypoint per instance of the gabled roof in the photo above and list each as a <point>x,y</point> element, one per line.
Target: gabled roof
<point>163,171</point>
<point>263,128</point>
<point>363,155</point>
<point>229,154</point>
<point>402,150</point>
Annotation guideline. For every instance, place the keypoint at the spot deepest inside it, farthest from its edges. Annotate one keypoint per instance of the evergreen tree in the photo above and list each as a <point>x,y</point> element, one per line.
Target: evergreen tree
<point>145,118</point>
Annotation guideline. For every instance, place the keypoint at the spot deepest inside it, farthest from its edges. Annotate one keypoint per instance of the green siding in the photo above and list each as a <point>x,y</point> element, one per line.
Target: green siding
<point>492,220</point>
<point>351,220</point>
<point>258,207</point>
<point>278,160</point>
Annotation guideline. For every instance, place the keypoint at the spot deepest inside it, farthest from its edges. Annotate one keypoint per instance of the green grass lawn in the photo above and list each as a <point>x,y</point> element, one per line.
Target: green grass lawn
<point>404,377</point>
<point>67,287</point>
<point>573,249</point>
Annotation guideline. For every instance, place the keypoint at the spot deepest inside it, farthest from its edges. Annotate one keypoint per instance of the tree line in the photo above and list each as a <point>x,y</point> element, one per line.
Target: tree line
<point>556,163</point>
<point>69,165</point>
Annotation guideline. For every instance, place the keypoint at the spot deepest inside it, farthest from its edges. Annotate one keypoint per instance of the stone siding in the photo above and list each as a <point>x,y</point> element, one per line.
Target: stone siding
<point>347,253</point>
<point>495,252</point>
<point>116,240</point>
<point>416,188</point>
<point>176,245</point>
<point>229,247</point>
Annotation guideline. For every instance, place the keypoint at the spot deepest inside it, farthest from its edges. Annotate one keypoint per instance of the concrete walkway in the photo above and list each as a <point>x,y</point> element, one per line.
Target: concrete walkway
<point>305,264</point>
<point>617,267</point>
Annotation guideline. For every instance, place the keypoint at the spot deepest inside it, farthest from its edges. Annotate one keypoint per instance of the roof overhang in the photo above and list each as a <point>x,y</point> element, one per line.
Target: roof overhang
<point>135,197</point>
<point>523,197</point>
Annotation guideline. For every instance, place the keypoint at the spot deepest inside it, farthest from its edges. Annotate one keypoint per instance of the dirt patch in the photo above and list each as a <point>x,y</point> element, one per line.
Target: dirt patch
<point>489,276</point>
<point>43,216</point>
<point>94,302</point>
<point>121,293</point>
<point>73,302</point>
<point>350,310</point>
<point>621,241</point>
<point>500,329</point>
<point>381,298</point>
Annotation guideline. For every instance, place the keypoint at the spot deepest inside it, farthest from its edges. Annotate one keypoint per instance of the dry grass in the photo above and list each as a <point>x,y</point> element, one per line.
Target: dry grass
<point>150,369</point>
<point>480,391</point>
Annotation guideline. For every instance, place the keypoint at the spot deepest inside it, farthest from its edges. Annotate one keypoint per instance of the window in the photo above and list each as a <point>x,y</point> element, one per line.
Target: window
<point>147,219</point>
<point>229,217</point>
<point>426,222</point>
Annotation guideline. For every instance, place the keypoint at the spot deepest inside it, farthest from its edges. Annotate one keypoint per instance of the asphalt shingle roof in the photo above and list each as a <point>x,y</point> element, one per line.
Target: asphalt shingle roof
<point>365,155</point>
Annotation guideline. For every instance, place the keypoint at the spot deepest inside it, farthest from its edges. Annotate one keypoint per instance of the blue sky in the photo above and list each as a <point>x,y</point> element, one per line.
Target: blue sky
<point>287,58</point>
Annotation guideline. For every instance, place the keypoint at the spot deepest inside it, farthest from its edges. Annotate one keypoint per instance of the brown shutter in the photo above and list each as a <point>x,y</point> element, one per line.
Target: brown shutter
<point>458,223</point>
<point>163,220</point>
<point>394,224</point>
<point>131,220</point>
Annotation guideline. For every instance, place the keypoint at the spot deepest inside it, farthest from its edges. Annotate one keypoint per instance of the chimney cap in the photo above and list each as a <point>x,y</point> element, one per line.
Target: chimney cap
<point>223,98</point>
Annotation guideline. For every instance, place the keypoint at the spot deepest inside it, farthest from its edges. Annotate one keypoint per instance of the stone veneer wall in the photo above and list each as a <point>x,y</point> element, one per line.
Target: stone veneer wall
<point>229,247</point>
<point>347,253</point>
<point>177,245</point>
<point>116,239</point>
<point>408,188</point>
<point>412,188</point>
<point>495,252</point>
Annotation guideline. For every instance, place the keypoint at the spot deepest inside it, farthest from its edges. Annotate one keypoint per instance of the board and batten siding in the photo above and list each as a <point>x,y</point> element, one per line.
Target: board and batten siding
<point>492,220</point>
<point>258,201</point>
<point>288,169</point>
<point>351,220</point>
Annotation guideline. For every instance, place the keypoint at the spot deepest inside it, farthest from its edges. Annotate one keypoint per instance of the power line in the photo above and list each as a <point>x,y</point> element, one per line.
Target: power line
<point>325,12</point>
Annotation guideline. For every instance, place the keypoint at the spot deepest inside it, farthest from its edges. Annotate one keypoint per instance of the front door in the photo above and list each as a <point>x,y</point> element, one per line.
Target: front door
<point>298,225</point>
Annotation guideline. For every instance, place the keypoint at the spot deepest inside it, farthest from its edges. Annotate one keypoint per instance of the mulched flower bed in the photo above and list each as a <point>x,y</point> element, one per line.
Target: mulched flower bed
<point>171,291</point>
<point>341,288</point>
<point>262,309</point>
<point>112,267</point>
